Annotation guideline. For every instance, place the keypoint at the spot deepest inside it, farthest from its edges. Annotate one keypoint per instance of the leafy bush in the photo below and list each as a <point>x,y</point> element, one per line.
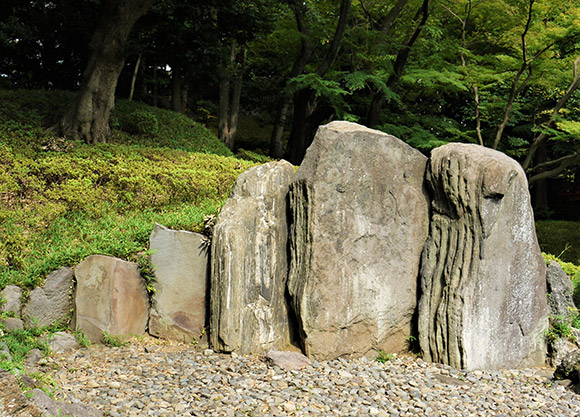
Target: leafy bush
<point>140,122</point>
<point>59,205</point>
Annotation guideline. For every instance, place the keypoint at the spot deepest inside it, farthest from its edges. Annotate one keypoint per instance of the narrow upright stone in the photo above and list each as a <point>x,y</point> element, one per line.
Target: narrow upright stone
<point>359,222</point>
<point>110,297</point>
<point>248,310</point>
<point>483,279</point>
<point>180,260</point>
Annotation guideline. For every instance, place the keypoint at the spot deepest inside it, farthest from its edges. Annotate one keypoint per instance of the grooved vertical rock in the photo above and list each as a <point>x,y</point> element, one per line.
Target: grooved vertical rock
<point>483,302</point>
<point>110,297</point>
<point>360,220</point>
<point>248,310</point>
<point>180,260</point>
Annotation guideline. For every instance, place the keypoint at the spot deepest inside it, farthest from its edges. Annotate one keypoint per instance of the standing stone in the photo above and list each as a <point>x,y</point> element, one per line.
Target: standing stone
<point>248,309</point>
<point>560,293</point>
<point>360,220</point>
<point>51,303</point>
<point>11,296</point>
<point>180,260</point>
<point>483,279</point>
<point>110,297</point>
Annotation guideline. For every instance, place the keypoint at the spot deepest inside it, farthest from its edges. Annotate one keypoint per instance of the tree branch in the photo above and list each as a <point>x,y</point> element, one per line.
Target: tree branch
<point>514,87</point>
<point>554,162</point>
<point>336,39</point>
<point>543,135</point>
<point>564,163</point>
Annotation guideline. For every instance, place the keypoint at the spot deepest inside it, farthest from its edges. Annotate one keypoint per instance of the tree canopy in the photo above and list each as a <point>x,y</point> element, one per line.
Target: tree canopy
<point>500,73</point>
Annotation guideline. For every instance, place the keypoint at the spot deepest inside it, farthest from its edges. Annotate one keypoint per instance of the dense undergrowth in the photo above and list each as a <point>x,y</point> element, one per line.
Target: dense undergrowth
<point>61,200</point>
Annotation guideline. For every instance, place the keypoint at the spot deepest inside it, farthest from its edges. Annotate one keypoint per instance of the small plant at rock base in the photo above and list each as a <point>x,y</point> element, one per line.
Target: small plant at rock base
<point>113,341</point>
<point>82,339</point>
<point>559,329</point>
<point>384,357</point>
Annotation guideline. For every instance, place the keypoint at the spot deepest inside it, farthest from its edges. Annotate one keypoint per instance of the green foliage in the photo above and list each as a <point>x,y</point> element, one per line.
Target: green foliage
<point>146,269</point>
<point>57,207</point>
<point>140,122</point>
<point>20,342</point>
<point>114,340</point>
<point>559,329</point>
<point>252,156</point>
<point>82,339</point>
<point>561,238</point>
<point>384,357</point>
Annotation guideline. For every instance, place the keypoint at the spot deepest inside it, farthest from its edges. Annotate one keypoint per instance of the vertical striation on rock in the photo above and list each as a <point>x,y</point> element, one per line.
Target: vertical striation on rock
<point>110,297</point>
<point>359,222</point>
<point>249,265</point>
<point>180,260</point>
<point>483,302</point>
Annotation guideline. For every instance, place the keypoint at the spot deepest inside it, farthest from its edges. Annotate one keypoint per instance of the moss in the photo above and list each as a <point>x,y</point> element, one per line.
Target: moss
<point>60,204</point>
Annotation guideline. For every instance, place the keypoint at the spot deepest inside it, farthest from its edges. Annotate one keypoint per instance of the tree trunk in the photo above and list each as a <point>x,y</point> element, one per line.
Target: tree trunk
<point>276,146</point>
<point>230,92</point>
<point>306,118</point>
<point>223,116</point>
<point>378,101</point>
<point>155,87</point>
<point>298,142</point>
<point>283,105</point>
<point>177,90</point>
<point>134,78</point>
<point>541,186</point>
<point>88,116</point>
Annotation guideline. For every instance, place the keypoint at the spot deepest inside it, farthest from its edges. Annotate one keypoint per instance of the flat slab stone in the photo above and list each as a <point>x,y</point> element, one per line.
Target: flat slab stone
<point>359,222</point>
<point>180,260</point>
<point>110,297</point>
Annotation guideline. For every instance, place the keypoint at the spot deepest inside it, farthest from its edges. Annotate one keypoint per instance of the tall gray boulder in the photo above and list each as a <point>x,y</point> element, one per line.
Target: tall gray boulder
<point>52,302</point>
<point>483,281</point>
<point>180,260</point>
<point>359,222</point>
<point>248,311</point>
<point>110,297</point>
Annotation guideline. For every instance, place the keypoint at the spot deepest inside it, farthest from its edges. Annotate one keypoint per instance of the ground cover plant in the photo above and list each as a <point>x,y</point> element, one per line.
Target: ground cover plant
<point>560,238</point>
<point>61,200</point>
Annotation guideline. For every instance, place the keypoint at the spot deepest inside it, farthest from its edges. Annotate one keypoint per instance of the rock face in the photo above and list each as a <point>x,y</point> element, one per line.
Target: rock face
<point>11,296</point>
<point>53,408</point>
<point>569,367</point>
<point>51,303</point>
<point>359,222</point>
<point>181,271</point>
<point>12,402</point>
<point>483,302</point>
<point>110,297</point>
<point>561,293</point>
<point>249,313</point>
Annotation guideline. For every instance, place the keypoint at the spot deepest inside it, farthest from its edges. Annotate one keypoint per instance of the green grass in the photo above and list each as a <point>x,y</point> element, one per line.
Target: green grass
<point>560,238</point>
<point>61,201</point>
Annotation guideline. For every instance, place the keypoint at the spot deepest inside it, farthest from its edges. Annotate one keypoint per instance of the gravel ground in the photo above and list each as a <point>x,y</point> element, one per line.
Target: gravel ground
<point>144,379</point>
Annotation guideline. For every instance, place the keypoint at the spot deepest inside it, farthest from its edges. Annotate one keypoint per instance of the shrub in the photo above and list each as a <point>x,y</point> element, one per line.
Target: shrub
<point>140,122</point>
